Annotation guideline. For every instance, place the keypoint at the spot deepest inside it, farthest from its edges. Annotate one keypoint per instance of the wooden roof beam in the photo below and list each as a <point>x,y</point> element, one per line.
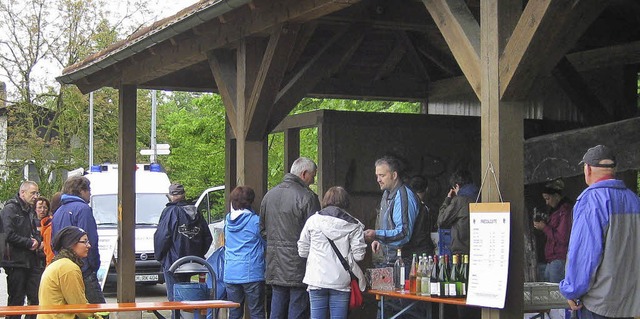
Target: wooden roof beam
<point>309,74</point>
<point>412,55</point>
<point>623,54</point>
<point>304,36</point>
<point>578,91</point>
<point>393,58</point>
<point>223,67</point>
<point>437,58</point>
<point>269,79</point>
<point>546,30</point>
<point>461,31</point>
<point>240,23</point>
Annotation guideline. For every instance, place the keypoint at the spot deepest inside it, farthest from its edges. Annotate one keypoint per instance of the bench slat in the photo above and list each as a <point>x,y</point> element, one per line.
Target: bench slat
<point>117,307</point>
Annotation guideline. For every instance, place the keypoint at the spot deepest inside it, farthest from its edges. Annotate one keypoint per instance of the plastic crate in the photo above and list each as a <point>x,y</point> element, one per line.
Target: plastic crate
<point>543,295</point>
<point>444,241</point>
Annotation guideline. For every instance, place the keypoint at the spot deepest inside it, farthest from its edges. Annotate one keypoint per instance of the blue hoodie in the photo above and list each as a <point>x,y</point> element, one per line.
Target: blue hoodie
<point>244,248</point>
<point>74,211</point>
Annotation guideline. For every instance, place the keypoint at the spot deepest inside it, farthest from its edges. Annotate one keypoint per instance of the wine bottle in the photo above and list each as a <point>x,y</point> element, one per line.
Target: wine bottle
<point>426,275</point>
<point>443,276</point>
<point>454,282</point>
<point>419,275</point>
<point>413,274</point>
<point>398,272</point>
<point>434,285</point>
<point>464,276</point>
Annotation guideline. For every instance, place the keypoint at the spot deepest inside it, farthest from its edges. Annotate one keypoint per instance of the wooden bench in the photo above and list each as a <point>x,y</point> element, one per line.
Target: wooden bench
<point>118,307</point>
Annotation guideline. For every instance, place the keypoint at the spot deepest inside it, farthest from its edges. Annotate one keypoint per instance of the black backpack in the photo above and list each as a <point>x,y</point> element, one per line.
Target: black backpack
<point>420,241</point>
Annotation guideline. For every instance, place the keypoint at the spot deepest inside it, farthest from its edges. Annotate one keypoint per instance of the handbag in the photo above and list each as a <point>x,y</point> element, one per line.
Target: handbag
<point>355,300</point>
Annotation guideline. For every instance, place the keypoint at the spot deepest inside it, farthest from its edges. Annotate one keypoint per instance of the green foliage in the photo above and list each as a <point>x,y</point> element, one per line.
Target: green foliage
<point>195,130</point>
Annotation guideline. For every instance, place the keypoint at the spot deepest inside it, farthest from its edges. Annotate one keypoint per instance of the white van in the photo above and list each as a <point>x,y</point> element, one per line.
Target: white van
<point>152,186</point>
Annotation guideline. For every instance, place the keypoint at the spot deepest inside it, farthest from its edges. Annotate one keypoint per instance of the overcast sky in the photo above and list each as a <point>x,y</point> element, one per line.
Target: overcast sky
<point>45,71</point>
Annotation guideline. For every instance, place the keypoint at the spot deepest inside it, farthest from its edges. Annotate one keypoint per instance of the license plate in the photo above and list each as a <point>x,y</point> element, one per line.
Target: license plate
<point>146,278</point>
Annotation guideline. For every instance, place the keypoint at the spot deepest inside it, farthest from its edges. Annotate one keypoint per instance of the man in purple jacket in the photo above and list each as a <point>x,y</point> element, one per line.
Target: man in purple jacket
<point>75,211</point>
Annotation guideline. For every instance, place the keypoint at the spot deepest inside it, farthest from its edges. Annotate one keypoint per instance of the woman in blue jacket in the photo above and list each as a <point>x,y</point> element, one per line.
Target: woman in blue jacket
<point>244,255</point>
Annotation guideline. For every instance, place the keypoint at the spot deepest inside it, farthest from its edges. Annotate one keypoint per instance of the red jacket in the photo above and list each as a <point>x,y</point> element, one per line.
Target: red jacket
<point>557,231</point>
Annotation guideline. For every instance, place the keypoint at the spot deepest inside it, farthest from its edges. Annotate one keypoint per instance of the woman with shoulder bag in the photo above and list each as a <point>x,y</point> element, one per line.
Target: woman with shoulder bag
<point>329,236</point>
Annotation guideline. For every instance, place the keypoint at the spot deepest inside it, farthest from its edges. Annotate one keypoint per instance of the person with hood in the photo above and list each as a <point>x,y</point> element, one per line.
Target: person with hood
<point>45,229</point>
<point>44,215</point>
<point>327,280</point>
<point>454,214</point>
<point>20,258</point>
<point>244,256</point>
<point>75,211</point>
<point>61,282</point>
<point>182,231</point>
<point>557,230</point>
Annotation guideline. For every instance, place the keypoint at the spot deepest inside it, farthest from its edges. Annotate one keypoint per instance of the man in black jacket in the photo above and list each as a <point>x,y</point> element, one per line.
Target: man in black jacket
<point>19,260</point>
<point>182,231</point>
<point>283,212</point>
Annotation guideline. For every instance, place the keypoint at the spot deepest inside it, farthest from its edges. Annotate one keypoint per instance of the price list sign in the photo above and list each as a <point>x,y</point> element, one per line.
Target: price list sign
<point>489,254</point>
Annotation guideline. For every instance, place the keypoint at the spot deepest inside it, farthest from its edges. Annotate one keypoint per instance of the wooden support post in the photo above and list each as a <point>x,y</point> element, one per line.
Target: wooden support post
<point>291,147</point>
<point>126,193</point>
<point>502,127</point>
<point>255,168</point>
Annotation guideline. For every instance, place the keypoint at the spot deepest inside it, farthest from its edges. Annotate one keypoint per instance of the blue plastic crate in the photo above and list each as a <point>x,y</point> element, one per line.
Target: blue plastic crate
<point>444,241</point>
<point>190,291</point>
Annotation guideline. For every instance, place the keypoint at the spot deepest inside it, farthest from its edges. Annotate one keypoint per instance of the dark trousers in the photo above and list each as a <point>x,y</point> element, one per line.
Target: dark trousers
<point>251,294</point>
<point>21,283</point>
<point>289,302</point>
<point>92,289</point>
<point>585,313</point>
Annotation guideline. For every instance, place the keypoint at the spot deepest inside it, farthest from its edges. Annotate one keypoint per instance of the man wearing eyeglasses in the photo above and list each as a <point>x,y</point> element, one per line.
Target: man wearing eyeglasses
<point>75,211</point>
<point>22,238</point>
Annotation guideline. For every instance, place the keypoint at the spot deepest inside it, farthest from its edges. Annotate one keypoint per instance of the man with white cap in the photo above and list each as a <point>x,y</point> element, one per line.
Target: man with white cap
<point>602,276</point>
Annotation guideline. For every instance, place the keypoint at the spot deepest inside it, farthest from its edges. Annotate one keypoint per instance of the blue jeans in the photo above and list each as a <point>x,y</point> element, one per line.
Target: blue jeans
<point>585,313</point>
<point>289,302</point>
<point>252,293</point>
<point>554,272</point>
<point>329,301</point>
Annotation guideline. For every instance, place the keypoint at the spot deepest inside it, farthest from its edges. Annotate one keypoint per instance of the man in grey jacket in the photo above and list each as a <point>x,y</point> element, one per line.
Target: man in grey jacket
<point>283,212</point>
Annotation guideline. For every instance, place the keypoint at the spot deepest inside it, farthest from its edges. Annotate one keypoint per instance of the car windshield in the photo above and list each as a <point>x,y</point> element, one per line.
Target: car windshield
<point>148,208</point>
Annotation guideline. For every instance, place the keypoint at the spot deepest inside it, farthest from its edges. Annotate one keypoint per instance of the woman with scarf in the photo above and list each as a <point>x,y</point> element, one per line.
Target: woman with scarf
<point>61,282</point>
<point>557,230</point>
<point>328,282</point>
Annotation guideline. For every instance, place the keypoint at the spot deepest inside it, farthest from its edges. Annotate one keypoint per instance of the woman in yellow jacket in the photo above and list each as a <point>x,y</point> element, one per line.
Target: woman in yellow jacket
<point>61,282</point>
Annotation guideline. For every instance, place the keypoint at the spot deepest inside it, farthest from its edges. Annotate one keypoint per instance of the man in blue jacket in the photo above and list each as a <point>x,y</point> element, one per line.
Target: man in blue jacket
<point>602,277</point>
<point>398,211</point>
<point>75,211</point>
<point>182,231</point>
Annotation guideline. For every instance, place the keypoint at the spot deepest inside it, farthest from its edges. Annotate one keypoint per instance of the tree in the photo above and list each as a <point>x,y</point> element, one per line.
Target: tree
<point>48,123</point>
<point>196,133</point>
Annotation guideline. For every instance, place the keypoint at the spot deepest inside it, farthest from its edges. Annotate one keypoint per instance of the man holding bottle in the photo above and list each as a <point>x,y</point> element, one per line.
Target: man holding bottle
<point>602,273</point>
<point>398,211</point>
<point>396,218</point>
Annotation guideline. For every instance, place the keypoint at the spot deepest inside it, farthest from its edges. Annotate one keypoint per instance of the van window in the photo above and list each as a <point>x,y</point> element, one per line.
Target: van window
<point>148,208</point>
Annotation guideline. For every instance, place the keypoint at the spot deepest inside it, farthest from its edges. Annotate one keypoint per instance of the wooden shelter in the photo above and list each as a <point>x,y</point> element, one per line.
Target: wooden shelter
<point>570,63</point>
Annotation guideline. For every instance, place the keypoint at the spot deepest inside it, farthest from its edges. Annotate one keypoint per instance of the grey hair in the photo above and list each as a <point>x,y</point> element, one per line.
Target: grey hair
<point>303,164</point>
<point>26,184</point>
